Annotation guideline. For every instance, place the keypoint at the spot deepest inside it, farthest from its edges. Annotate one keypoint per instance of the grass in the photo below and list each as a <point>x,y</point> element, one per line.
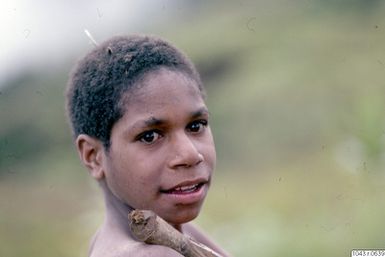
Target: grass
<point>306,207</point>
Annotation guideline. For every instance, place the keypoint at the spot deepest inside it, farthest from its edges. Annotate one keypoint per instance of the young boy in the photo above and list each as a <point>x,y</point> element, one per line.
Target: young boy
<point>140,124</point>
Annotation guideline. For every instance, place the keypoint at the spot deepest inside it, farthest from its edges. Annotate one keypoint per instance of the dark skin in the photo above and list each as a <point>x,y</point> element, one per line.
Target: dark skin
<point>161,158</point>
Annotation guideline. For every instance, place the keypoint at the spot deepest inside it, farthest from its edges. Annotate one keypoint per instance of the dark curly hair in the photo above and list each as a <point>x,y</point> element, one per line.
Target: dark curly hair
<point>96,85</point>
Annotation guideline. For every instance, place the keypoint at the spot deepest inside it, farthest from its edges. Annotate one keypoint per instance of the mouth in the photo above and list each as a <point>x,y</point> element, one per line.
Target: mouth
<point>182,190</point>
<point>189,192</point>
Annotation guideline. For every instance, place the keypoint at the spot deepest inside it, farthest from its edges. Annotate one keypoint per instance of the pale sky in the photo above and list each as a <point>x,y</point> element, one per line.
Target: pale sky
<point>41,32</point>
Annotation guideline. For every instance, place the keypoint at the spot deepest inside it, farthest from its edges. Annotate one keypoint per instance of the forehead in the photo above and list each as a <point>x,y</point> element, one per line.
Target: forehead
<point>160,87</point>
<point>165,97</point>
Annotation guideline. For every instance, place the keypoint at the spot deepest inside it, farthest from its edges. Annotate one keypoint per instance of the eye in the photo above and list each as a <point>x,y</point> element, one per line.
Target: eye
<point>149,137</point>
<point>197,126</point>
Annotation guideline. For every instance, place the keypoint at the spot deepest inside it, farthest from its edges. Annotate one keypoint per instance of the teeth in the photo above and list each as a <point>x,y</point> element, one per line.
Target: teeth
<point>186,188</point>
<point>183,189</point>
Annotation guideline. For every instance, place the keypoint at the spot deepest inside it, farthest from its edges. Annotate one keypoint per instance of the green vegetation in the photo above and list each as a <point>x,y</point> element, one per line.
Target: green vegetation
<point>296,91</point>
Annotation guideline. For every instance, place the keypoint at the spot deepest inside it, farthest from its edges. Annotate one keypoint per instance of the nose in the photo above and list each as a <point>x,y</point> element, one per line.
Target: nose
<point>184,152</point>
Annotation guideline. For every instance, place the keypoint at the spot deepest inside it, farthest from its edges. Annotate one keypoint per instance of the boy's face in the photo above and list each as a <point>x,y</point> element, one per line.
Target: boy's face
<point>162,152</point>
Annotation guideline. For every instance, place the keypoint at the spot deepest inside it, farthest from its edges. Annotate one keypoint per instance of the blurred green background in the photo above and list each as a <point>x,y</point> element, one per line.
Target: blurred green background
<point>296,90</point>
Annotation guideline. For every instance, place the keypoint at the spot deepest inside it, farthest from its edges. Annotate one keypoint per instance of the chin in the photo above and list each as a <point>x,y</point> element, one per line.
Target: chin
<point>182,216</point>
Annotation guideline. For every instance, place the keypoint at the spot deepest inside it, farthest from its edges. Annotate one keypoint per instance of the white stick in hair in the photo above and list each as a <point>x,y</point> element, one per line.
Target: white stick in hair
<point>88,34</point>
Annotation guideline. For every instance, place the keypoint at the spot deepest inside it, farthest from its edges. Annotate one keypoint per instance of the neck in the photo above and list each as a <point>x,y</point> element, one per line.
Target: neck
<point>116,210</point>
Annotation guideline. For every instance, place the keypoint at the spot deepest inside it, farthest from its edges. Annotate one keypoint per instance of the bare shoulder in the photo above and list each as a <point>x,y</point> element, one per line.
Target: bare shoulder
<point>126,247</point>
<point>198,235</point>
<point>145,250</point>
<point>139,250</point>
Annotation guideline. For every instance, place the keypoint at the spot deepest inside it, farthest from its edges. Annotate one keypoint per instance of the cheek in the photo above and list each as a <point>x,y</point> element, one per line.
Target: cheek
<point>141,173</point>
<point>132,185</point>
<point>213,156</point>
<point>209,151</point>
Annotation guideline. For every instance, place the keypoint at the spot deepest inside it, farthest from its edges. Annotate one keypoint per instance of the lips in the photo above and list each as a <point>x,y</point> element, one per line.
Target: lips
<point>186,193</point>
<point>184,189</point>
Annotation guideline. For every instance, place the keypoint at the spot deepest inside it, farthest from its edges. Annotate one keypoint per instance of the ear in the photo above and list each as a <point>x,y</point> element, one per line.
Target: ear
<point>91,153</point>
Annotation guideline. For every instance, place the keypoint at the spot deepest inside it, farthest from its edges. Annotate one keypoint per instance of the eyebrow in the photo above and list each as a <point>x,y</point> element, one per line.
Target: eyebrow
<point>154,122</point>
<point>200,112</point>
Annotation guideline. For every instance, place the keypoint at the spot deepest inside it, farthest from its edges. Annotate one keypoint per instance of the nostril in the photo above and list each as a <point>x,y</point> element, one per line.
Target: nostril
<point>187,161</point>
<point>200,158</point>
